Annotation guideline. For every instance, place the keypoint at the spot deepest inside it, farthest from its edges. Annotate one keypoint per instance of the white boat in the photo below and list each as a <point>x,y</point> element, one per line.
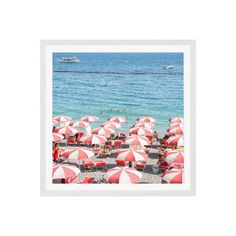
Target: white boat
<point>70,59</point>
<point>168,67</point>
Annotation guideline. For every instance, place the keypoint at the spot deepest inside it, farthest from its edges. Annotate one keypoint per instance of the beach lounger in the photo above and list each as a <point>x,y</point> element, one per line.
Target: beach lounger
<point>99,164</point>
<point>140,165</point>
<point>121,163</point>
<point>87,164</point>
<point>118,143</point>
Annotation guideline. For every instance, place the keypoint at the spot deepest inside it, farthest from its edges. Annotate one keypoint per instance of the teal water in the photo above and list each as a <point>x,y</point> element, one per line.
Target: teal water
<point>119,84</point>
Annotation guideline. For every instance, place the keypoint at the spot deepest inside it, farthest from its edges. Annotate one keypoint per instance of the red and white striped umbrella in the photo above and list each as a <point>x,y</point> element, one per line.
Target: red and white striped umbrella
<point>79,124</point>
<point>93,139</point>
<point>62,118</point>
<point>57,137</point>
<point>176,140</point>
<point>175,156</point>
<point>112,125</point>
<point>176,124</point>
<point>141,131</point>
<point>63,171</point>
<point>118,119</point>
<point>89,119</point>
<point>123,175</point>
<point>132,155</point>
<point>67,130</point>
<point>78,153</point>
<point>148,125</point>
<point>137,140</point>
<point>103,131</point>
<point>173,176</point>
<point>146,119</point>
<point>55,122</point>
<point>177,119</point>
<point>177,131</point>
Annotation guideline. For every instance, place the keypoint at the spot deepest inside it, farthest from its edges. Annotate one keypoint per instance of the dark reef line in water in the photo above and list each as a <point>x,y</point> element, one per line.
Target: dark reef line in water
<point>118,73</point>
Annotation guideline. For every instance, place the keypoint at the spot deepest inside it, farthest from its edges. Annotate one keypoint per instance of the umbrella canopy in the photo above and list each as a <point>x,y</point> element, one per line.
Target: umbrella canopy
<point>62,118</point>
<point>55,122</point>
<point>175,156</point>
<point>63,171</point>
<point>89,119</point>
<point>79,124</point>
<point>177,119</point>
<point>148,125</point>
<point>118,119</point>
<point>123,175</point>
<point>57,137</point>
<point>146,119</point>
<point>176,124</point>
<point>132,155</point>
<point>67,130</point>
<point>137,140</point>
<point>141,131</point>
<point>93,139</point>
<point>78,153</point>
<point>112,125</point>
<point>103,131</point>
<point>176,140</point>
<point>176,131</point>
<point>173,176</point>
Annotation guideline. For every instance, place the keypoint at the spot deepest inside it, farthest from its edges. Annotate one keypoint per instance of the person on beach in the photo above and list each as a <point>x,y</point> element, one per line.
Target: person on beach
<point>56,152</point>
<point>105,152</point>
<point>130,164</point>
<point>77,138</point>
<point>162,163</point>
<point>155,135</point>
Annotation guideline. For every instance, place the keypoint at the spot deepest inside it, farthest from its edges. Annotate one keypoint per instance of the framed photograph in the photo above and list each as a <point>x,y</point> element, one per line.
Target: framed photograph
<point>118,118</point>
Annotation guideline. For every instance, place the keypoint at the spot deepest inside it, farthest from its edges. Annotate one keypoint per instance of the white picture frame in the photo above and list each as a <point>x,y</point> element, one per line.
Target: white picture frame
<point>185,46</point>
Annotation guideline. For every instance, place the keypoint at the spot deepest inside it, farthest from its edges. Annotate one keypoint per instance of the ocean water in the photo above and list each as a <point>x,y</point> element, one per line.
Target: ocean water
<point>119,84</point>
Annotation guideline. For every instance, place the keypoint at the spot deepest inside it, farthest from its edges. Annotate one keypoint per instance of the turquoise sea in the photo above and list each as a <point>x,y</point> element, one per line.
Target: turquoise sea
<point>119,84</point>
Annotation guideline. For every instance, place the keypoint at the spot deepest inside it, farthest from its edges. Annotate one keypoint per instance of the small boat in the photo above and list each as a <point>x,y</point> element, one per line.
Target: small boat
<point>168,67</point>
<point>69,59</point>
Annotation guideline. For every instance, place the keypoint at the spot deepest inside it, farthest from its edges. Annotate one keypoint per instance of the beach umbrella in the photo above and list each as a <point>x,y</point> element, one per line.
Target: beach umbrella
<point>148,125</point>
<point>132,155</point>
<point>55,122</point>
<point>141,131</point>
<point>177,119</point>
<point>79,124</point>
<point>57,137</point>
<point>146,119</point>
<point>63,171</point>
<point>89,119</point>
<point>67,130</point>
<point>176,131</point>
<point>173,176</point>
<point>103,131</point>
<point>137,140</point>
<point>93,139</point>
<point>62,118</point>
<point>176,124</point>
<point>112,125</point>
<point>118,119</point>
<point>78,153</point>
<point>175,156</point>
<point>176,140</point>
<point>123,175</point>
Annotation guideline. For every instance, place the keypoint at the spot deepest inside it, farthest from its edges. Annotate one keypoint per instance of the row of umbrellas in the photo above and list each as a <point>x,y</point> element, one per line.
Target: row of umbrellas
<point>122,174</point>
<point>175,175</point>
<point>117,175</point>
